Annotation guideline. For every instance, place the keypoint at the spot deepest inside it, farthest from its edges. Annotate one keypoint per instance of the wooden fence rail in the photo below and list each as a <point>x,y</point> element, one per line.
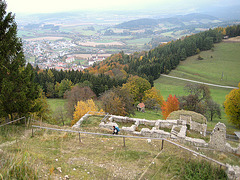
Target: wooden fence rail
<point>14,121</point>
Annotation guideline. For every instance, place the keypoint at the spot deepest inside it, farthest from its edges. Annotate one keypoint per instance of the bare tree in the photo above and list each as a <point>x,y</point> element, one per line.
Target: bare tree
<point>76,94</point>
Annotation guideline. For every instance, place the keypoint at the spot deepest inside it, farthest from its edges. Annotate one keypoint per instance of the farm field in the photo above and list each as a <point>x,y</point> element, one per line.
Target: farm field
<point>223,59</point>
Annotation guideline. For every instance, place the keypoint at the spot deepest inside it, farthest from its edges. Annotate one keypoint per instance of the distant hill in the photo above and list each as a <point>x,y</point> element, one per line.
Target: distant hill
<point>138,23</point>
<point>195,16</point>
<point>176,20</point>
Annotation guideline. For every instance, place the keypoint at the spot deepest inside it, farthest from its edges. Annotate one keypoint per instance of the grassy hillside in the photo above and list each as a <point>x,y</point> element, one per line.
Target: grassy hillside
<point>223,59</point>
<point>101,157</point>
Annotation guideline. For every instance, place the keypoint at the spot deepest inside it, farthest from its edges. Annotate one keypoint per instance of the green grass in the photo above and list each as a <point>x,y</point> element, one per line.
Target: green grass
<point>56,106</point>
<point>17,167</point>
<point>54,103</point>
<point>225,59</point>
<point>148,114</point>
<point>22,33</point>
<point>11,132</point>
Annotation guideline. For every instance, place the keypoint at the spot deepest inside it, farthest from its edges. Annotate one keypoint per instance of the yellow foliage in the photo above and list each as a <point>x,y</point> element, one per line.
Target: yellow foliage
<point>153,93</point>
<point>82,108</point>
<point>232,106</point>
<point>137,87</point>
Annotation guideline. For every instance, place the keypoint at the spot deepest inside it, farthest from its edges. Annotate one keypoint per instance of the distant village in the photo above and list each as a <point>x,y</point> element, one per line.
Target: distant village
<point>59,54</point>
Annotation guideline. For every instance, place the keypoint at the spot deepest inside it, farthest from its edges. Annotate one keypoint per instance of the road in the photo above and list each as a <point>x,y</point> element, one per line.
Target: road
<point>209,84</point>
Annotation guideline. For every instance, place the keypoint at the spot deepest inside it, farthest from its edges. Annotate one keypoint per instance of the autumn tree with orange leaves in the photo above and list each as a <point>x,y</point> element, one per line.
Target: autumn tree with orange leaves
<point>172,104</point>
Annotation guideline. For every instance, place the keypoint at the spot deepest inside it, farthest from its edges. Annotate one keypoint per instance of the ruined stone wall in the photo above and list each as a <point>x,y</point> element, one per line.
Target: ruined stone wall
<point>218,137</point>
<point>201,128</point>
<point>186,118</point>
<point>78,124</point>
<point>154,133</point>
<point>165,124</point>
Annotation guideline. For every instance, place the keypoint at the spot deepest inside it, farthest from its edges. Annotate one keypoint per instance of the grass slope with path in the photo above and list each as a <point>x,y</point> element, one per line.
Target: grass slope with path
<point>219,66</point>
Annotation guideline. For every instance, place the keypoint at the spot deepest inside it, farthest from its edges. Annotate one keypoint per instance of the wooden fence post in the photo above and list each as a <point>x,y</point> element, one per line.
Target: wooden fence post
<point>162,144</point>
<point>124,142</point>
<point>79,137</point>
<point>32,132</point>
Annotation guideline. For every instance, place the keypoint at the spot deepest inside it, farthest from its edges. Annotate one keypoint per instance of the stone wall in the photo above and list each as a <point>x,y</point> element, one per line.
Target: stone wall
<point>78,124</point>
<point>218,140</point>
<point>218,137</point>
<point>201,128</point>
<point>108,125</point>
<point>196,121</point>
<point>186,118</point>
<point>165,124</point>
<point>154,133</point>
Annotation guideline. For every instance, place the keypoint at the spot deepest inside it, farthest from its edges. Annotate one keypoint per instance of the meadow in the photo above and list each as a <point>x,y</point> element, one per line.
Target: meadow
<point>219,66</point>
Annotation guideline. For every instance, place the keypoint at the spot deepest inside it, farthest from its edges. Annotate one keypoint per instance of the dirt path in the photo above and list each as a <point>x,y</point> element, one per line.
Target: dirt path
<point>199,82</point>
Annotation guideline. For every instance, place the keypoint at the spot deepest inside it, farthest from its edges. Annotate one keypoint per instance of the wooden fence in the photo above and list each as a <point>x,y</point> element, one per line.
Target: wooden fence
<point>136,137</point>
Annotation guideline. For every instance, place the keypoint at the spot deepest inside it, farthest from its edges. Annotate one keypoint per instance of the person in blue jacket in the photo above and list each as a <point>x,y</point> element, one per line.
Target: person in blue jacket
<point>115,130</point>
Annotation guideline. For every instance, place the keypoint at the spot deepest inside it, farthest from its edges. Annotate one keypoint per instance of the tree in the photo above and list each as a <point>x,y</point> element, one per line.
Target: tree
<point>169,106</point>
<point>118,101</point>
<point>232,106</point>
<point>113,104</point>
<point>213,109</point>
<point>153,98</point>
<point>17,89</point>
<point>76,94</point>
<point>82,108</point>
<point>137,86</point>
<point>60,114</point>
<point>199,95</point>
<point>126,98</point>
<point>42,111</point>
<point>64,86</point>
<point>50,89</point>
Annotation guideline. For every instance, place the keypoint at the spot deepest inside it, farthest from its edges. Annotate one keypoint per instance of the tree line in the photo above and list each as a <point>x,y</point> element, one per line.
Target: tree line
<point>55,83</point>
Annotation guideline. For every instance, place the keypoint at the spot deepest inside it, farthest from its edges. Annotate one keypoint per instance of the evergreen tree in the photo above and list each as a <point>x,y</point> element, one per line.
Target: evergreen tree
<point>17,89</point>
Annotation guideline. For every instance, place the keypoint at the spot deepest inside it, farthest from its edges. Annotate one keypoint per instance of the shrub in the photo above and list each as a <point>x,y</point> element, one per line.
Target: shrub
<point>202,170</point>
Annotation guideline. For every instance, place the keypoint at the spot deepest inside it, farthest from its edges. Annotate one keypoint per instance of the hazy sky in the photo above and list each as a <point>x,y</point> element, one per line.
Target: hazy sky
<point>42,6</point>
